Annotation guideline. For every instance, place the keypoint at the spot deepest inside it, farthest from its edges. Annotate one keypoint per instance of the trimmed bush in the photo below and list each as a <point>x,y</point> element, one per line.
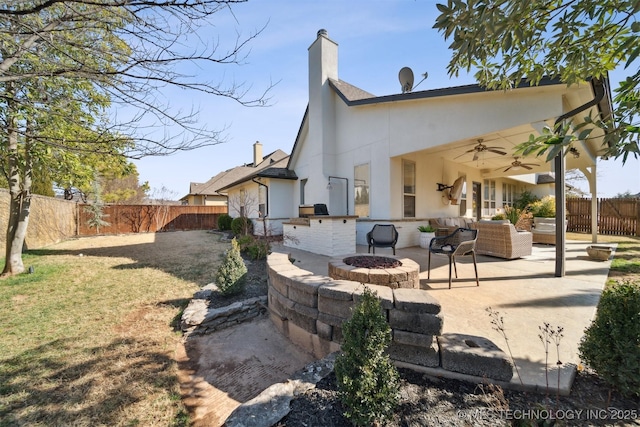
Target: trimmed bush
<point>368,383</point>
<point>611,344</point>
<point>224,222</point>
<point>241,226</point>
<point>254,248</point>
<point>231,276</point>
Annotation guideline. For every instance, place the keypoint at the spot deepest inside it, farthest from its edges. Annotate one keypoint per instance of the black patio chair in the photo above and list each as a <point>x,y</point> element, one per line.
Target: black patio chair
<point>461,242</point>
<point>382,236</point>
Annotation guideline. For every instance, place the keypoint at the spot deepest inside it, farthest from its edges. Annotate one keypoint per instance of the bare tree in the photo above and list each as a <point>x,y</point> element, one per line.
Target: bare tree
<point>66,66</point>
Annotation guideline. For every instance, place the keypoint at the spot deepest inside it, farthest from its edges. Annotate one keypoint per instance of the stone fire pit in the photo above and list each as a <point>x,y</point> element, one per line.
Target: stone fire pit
<point>376,270</point>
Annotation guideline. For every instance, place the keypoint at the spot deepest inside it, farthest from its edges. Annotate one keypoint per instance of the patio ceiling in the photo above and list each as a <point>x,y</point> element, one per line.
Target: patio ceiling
<point>492,164</point>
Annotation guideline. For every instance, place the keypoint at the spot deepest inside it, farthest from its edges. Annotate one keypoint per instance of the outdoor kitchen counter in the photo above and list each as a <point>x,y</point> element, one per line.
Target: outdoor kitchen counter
<point>331,235</point>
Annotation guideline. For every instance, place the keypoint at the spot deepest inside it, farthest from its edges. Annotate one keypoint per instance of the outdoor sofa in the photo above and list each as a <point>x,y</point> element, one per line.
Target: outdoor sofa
<point>446,226</point>
<point>501,239</point>
<point>544,230</point>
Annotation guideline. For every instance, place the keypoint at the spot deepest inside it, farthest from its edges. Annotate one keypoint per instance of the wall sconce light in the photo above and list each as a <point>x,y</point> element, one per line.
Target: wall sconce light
<point>574,151</point>
<point>442,187</point>
<point>329,187</point>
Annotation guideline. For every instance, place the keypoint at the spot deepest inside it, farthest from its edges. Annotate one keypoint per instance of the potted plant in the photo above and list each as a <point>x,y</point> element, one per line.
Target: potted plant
<point>427,232</point>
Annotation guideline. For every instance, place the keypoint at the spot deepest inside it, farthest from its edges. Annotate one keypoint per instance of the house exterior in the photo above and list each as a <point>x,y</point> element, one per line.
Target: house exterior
<point>390,159</point>
<point>262,191</point>
<point>211,193</point>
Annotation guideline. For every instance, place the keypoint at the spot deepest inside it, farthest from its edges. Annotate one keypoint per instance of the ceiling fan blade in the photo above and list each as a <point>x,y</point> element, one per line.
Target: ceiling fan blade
<point>475,156</point>
<point>507,168</point>
<point>525,166</point>
<point>494,148</point>
<point>502,153</point>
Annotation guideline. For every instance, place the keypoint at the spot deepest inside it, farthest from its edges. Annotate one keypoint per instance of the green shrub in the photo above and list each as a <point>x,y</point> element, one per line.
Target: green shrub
<point>259,249</point>
<point>241,226</point>
<point>231,276</point>
<point>426,229</point>
<point>255,248</point>
<point>224,222</point>
<point>525,199</point>
<point>499,217</point>
<point>611,344</point>
<point>545,208</point>
<point>368,383</point>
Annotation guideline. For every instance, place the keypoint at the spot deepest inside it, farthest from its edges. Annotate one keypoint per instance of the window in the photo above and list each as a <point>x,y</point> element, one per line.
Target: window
<point>303,184</point>
<point>361,190</point>
<point>489,202</point>
<point>508,194</point>
<point>409,188</point>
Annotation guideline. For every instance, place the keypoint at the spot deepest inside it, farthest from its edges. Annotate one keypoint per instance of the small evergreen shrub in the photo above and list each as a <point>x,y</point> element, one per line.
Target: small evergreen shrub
<point>368,383</point>
<point>224,222</point>
<point>241,226</point>
<point>611,344</point>
<point>231,276</point>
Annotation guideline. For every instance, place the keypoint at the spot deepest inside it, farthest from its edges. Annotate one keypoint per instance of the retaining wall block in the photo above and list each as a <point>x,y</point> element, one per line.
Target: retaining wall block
<point>397,274</point>
<point>339,290</point>
<point>324,330</point>
<point>331,320</point>
<point>279,284</point>
<point>422,323</point>
<point>281,304</point>
<point>360,275</point>
<point>378,277</point>
<point>415,301</point>
<point>422,356</point>
<point>412,338</point>
<point>473,355</point>
<point>304,317</point>
<point>305,290</point>
<point>384,294</point>
<point>335,307</point>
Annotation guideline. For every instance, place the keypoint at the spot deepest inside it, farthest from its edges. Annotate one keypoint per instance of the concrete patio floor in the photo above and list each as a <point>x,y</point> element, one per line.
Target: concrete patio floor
<point>524,292</point>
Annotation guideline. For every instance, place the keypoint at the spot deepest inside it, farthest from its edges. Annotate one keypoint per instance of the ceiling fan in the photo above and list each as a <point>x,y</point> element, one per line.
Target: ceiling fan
<point>517,164</point>
<point>481,148</point>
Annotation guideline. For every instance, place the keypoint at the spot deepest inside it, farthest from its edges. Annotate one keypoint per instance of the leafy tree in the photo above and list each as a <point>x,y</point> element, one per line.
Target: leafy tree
<point>66,70</point>
<point>122,186</point>
<point>507,41</point>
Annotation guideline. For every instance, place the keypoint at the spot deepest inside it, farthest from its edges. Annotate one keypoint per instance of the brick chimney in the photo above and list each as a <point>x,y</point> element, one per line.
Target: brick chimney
<point>257,153</point>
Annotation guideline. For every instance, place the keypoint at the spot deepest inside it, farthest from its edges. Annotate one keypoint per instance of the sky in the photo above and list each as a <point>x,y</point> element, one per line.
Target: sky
<point>375,38</point>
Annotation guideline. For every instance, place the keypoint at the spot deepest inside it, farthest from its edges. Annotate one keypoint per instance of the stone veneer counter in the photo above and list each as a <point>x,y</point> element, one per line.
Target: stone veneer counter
<point>403,276</point>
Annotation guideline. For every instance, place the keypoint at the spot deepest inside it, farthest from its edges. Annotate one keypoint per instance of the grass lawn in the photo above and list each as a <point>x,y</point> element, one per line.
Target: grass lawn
<point>88,338</point>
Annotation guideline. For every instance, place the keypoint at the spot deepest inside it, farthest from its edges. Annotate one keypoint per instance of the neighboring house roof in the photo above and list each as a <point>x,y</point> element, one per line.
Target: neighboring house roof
<point>277,169</point>
<point>237,174</point>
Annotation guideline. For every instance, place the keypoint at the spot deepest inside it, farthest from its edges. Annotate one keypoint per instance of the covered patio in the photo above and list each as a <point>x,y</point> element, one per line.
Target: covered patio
<point>525,293</point>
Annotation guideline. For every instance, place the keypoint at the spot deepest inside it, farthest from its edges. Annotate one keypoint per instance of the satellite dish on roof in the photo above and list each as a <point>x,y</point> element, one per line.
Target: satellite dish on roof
<point>406,79</point>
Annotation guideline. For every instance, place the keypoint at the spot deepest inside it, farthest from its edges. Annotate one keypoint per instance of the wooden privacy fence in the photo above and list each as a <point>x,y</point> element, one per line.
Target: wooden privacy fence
<point>124,219</point>
<point>615,216</point>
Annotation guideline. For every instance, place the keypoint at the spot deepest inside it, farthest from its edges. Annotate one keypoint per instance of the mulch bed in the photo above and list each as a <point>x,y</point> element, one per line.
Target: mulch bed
<point>430,401</point>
